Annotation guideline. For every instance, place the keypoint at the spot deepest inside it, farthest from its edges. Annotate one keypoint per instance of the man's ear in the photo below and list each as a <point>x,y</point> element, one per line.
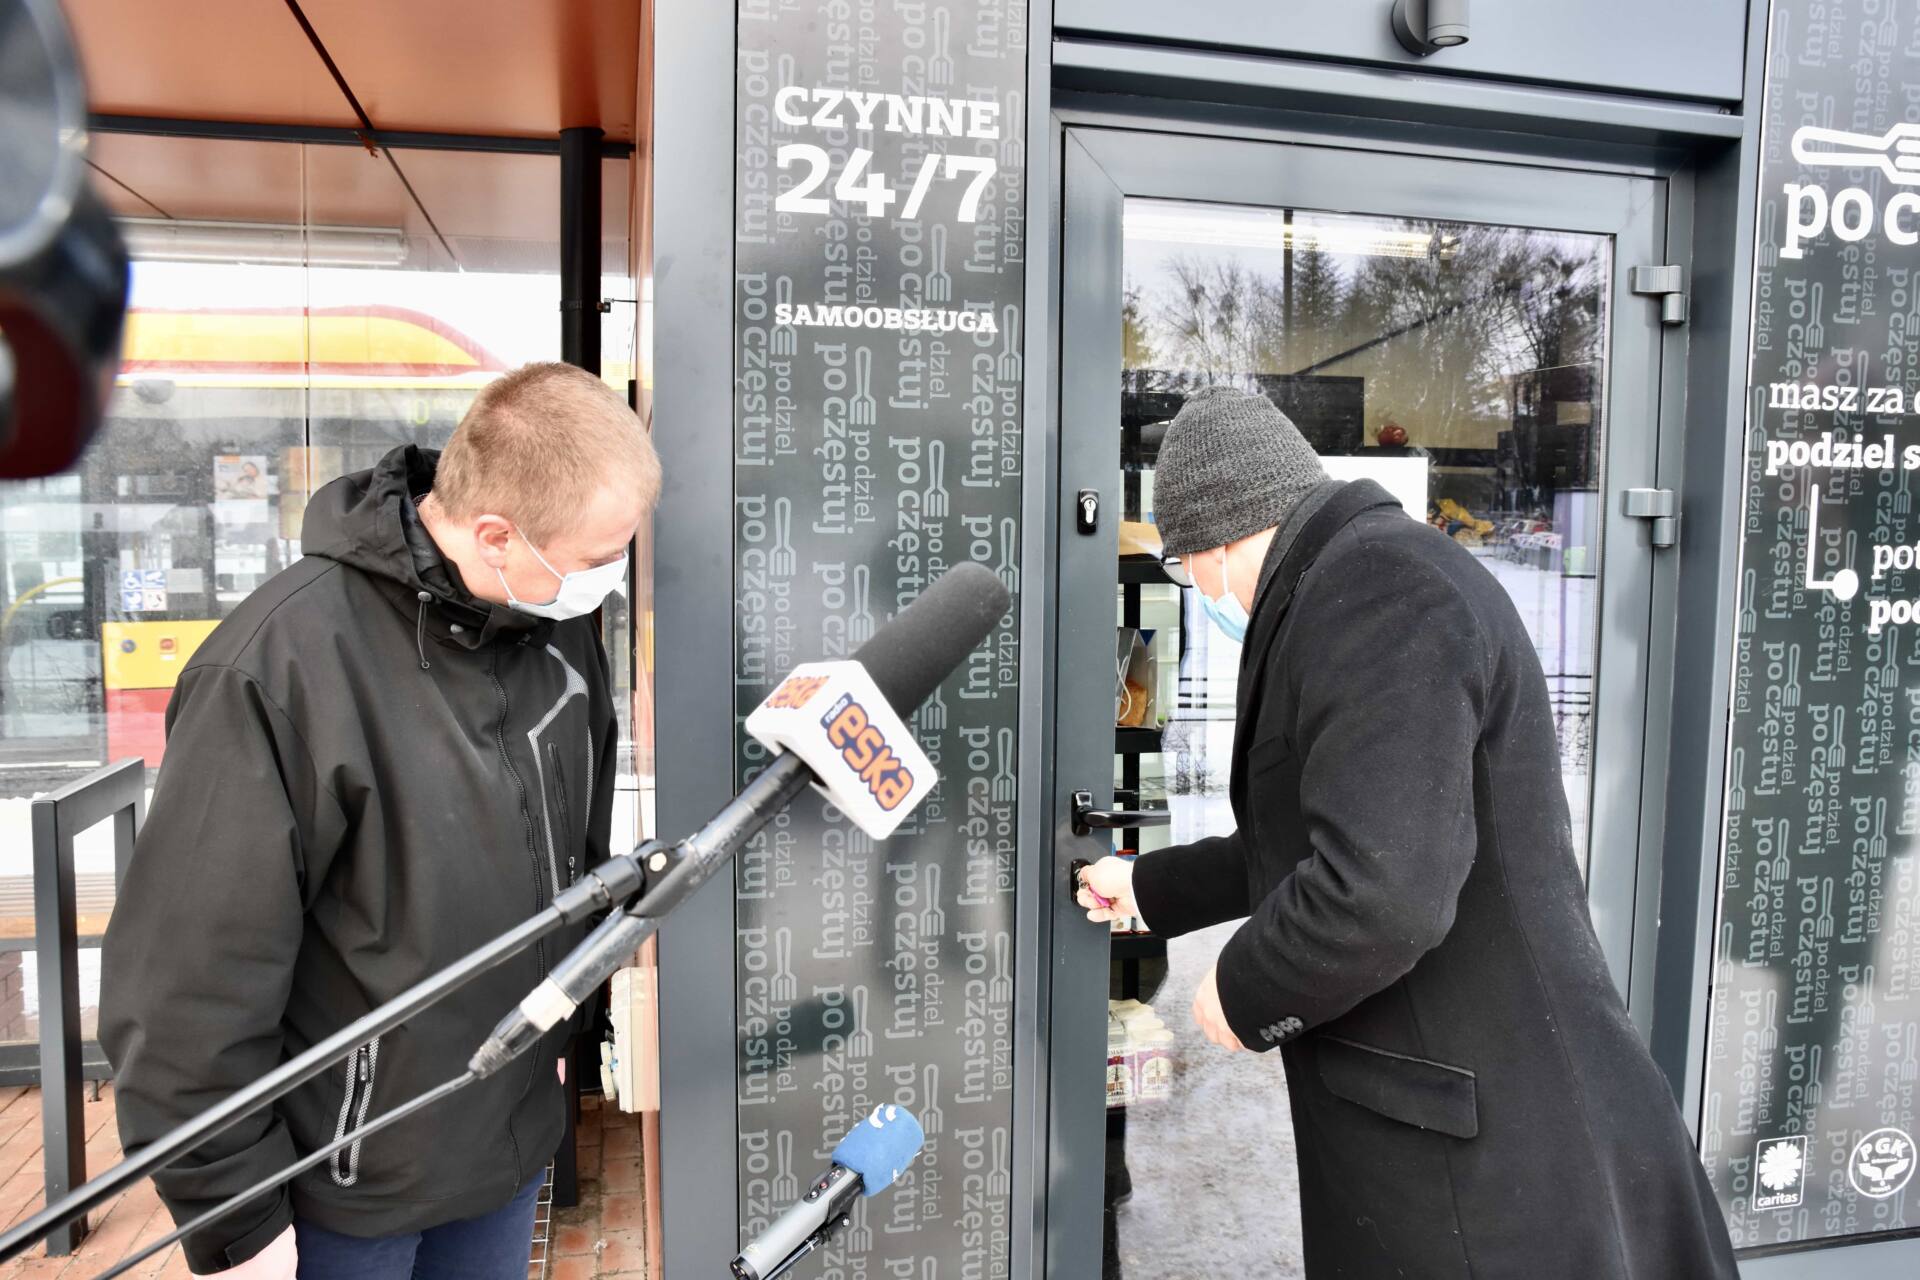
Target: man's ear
<point>490,537</point>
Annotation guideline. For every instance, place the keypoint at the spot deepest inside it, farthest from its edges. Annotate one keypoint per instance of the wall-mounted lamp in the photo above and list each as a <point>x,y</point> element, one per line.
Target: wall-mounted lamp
<point>1428,26</point>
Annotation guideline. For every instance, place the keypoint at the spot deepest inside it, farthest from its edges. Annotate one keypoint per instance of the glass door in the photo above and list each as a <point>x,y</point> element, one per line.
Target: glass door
<point>1459,331</point>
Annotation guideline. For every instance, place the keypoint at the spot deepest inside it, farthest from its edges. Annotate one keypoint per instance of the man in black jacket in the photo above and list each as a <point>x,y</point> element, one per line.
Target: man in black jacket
<point>391,752</point>
<point>1468,1095</point>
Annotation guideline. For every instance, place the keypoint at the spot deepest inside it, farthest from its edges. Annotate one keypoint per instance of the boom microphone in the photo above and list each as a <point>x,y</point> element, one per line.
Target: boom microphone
<point>859,751</point>
<point>928,640</point>
<point>838,725</point>
<point>866,1162</point>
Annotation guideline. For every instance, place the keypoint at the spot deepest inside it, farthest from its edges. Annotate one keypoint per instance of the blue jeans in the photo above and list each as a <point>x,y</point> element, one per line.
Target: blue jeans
<point>493,1246</point>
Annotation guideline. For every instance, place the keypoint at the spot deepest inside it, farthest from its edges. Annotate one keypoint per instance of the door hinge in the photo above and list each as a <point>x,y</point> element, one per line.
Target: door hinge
<point>1666,283</point>
<point>1660,506</point>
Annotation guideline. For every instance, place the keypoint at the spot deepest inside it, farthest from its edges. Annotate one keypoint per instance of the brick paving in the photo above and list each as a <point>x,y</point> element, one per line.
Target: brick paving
<point>604,1235</point>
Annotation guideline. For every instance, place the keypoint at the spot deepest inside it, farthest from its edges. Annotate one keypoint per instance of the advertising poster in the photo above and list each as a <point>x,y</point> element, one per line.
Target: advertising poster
<point>1812,1088</point>
<point>880,257</point>
<point>241,484</point>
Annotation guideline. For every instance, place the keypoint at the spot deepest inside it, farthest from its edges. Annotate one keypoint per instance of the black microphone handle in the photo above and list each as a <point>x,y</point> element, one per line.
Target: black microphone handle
<point>907,658</point>
<point>419,1103</point>
<point>611,945</point>
<point>282,1080</point>
<point>791,1235</point>
<point>609,881</point>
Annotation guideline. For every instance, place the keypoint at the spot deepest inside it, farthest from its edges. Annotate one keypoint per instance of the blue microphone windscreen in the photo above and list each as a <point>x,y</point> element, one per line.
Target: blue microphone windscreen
<point>880,1147</point>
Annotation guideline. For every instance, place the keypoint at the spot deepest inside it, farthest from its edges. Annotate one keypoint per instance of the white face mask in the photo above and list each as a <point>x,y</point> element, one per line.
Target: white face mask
<point>580,592</point>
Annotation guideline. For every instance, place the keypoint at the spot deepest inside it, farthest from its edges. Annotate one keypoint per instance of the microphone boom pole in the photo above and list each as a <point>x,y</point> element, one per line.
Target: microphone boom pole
<point>678,872</point>
<point>903,663</point>
<point>611,881</point>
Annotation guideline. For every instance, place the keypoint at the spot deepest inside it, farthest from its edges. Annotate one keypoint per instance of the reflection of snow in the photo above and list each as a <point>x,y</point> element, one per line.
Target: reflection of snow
<point>1561,613</point>
<point>1558,611</point>
<point>1194,1211</point>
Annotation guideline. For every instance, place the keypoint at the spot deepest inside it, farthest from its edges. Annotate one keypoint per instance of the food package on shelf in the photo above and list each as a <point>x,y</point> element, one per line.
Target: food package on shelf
<point>1139,1055</point>
<point>1136,679</point>
<point>1153,1066</point>
<point>1139,538</point>
<point>1119,1067</point>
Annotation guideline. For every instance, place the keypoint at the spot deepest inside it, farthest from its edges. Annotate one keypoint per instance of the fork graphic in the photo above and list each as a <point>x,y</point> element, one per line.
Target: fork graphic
<point>1895,153</point>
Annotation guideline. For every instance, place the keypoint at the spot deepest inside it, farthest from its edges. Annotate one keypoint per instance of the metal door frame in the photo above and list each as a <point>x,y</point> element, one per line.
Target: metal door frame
<point>1101,167</point>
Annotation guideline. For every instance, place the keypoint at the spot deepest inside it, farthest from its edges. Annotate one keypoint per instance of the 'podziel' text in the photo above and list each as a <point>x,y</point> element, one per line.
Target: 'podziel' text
<point>1839,451</point>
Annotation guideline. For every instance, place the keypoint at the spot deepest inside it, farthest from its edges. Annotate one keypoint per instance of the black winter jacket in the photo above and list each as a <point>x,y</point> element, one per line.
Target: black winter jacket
<point>368,773</point>
<point>1469,1097</point>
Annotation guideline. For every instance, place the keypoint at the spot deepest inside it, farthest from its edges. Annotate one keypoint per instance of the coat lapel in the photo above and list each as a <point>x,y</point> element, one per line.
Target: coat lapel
<point>1338,511</point>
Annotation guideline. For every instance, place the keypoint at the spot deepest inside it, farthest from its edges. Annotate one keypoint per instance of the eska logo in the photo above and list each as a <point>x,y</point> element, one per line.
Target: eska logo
<point>867,753</point>
<point>795,691</point>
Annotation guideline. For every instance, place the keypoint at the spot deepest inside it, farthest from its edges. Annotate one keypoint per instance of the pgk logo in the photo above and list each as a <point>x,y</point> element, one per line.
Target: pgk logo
<point>1881,1164</point>
<point>1779,1173</point>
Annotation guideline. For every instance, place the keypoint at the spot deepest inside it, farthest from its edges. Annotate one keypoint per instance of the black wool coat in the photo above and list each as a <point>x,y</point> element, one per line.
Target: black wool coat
<point>1469,1097</point>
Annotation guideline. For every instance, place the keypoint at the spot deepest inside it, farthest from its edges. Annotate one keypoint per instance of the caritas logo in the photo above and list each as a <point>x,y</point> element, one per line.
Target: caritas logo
<point>1850,213</point>
<point>867,752</point>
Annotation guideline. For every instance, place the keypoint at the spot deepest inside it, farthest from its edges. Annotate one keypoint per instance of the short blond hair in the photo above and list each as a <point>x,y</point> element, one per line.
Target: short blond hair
<point>537,444</point>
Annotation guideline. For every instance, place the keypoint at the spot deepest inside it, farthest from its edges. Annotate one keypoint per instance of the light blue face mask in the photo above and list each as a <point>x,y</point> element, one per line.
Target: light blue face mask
<point>1227,612</point>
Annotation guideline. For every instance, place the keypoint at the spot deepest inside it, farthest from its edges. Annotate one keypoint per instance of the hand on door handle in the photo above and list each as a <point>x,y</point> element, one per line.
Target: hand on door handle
<point>1087,819</point>
<point>1105,889</point>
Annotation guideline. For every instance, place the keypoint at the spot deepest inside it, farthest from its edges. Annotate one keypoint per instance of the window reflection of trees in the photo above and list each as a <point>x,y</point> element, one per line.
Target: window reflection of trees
<point>1485,343</point>
<point>1444,337</point>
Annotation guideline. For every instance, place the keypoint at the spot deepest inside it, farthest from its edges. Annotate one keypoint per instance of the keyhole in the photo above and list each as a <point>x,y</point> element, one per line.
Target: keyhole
<point>1089,510</point>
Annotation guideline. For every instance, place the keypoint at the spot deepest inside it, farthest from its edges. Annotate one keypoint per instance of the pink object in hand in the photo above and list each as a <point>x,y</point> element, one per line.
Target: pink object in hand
<point>1106,903</point>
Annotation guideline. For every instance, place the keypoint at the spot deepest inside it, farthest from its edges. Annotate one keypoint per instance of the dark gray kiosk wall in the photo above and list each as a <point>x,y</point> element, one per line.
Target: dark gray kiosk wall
<point>1809,1113</point>
<point>877,441</point>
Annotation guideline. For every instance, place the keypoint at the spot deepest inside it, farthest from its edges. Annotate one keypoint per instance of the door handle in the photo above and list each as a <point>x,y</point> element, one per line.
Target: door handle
<point>1088,819</point>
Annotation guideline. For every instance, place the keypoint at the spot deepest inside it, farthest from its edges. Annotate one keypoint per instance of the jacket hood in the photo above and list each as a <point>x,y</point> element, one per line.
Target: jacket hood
<point>367,521</point>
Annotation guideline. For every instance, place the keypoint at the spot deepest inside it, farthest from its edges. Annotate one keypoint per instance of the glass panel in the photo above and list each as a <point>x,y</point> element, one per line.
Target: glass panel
<point>1461,365</point>
<point>295,314</point>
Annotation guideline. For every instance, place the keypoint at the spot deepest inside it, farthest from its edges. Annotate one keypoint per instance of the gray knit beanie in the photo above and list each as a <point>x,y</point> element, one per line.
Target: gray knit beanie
<point>1231,465</point>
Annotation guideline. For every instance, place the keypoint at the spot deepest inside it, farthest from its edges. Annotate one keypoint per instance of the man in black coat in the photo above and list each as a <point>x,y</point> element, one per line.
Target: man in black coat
<point>1469,1097</point>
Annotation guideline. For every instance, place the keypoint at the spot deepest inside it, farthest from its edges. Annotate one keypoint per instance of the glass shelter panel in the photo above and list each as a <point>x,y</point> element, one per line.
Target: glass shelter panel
<point>295,313</point>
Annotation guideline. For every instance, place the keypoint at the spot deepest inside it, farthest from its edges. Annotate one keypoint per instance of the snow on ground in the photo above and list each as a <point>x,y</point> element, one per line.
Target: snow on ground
<point>1215,1188</point>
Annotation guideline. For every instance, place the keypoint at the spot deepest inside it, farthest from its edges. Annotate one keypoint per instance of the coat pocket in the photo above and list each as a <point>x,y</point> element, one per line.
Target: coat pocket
<point>1415,1091</point>
<point>344,1164</point>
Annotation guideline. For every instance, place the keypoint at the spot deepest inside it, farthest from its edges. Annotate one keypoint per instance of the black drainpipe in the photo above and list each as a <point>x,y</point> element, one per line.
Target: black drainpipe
<point>580,301</point>
<point>580,308</point>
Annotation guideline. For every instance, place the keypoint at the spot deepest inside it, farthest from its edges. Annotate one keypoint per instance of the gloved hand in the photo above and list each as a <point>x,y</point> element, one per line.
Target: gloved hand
<point>1112,879</point>
<point>280,1260</point>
